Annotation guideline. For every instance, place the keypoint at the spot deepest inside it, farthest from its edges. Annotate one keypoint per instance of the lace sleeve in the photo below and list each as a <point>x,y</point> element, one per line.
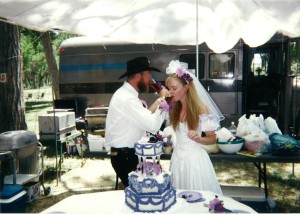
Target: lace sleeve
<point>209,122</point>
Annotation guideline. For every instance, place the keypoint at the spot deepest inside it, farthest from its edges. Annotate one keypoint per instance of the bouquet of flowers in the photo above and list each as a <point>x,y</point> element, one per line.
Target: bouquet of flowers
<point>149,168</point>
<point>216,205</point>
<point>160,136</point>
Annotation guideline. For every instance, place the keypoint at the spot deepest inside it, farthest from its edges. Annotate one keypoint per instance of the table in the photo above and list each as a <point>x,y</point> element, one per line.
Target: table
<point>260,162</point>
<point>114,202</point>
<point>58,148</point>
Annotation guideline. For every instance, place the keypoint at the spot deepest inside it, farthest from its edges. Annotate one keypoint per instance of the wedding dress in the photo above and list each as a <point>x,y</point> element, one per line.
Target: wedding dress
<point>191,166</point>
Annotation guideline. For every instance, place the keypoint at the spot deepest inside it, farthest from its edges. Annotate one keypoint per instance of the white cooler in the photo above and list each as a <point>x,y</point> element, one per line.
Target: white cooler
<point>64,125</point>
<point>96,143</point>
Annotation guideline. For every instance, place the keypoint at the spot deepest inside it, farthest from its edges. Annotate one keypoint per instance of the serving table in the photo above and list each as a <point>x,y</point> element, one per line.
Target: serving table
<point>114,202</point>
<point>260,162</point>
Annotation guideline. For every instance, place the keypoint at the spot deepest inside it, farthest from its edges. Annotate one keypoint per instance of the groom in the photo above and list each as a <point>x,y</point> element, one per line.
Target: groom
<point>128,120</point>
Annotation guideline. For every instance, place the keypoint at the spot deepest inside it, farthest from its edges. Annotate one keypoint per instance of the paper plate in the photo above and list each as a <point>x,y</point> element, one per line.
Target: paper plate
<point>191,196</point>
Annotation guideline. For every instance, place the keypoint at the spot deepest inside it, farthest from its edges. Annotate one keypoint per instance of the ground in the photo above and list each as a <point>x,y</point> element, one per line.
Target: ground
<point>89,175</point>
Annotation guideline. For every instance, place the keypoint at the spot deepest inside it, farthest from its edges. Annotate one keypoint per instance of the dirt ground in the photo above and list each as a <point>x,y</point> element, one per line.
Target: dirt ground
<point>78,176</point>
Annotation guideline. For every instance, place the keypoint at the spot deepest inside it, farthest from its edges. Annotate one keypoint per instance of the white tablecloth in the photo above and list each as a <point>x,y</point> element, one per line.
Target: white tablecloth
<point>114,202</point>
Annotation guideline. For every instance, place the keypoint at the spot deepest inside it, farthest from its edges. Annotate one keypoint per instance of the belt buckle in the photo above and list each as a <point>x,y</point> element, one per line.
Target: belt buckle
<point>113,153</point>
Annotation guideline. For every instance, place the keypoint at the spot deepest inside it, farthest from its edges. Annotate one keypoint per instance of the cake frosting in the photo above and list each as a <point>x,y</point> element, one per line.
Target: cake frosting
<point>145,149</point>
<point>150,189</point>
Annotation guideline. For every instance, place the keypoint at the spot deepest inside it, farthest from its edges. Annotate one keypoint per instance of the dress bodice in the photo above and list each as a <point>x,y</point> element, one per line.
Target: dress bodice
<point>185,147</point>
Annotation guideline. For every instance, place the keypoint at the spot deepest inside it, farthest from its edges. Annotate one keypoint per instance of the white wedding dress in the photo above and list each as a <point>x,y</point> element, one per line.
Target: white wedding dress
<point>191,166</point>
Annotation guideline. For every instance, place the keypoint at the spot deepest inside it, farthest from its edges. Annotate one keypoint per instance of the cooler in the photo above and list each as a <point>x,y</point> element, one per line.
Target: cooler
<point>61,123</point>
<point>33,190</point>
<point>12,199</point>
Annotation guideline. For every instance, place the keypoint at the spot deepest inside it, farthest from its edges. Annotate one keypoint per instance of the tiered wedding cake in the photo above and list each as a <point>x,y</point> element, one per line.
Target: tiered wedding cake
<point>150,188</point>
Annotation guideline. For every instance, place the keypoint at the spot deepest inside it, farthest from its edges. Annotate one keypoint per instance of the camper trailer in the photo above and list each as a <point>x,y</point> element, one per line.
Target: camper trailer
<point>241,81</point>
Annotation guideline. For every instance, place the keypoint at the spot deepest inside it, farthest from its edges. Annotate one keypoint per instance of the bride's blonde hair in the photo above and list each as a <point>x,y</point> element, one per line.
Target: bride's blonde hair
<point>195,107</point>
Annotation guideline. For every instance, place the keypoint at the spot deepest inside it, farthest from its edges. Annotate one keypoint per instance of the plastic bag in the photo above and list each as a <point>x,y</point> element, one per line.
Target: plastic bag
<point>284,145</point>
<point>256,143</point>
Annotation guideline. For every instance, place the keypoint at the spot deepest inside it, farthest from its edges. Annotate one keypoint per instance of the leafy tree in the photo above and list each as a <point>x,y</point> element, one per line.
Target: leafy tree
<point>35,67</point>
<point>34,62</point>
<point>295,56</point>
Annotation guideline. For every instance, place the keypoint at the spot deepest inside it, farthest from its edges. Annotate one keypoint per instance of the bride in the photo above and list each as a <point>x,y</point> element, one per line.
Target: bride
<point>194,117</point>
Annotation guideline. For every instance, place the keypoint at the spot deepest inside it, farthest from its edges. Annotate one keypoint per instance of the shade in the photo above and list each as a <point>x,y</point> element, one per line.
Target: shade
<point>219,23</point>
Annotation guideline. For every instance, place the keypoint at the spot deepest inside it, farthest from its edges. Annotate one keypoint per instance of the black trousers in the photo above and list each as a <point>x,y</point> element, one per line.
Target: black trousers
<point>124,161</point>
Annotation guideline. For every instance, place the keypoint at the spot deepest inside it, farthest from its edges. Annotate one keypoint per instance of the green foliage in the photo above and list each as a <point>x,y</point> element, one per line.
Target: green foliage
<point>295,56</point>
<point>35,70</point>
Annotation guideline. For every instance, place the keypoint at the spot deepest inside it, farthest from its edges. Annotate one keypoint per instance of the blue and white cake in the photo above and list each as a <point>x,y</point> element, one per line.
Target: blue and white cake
<point>150,189</point>
<point>145,149</point>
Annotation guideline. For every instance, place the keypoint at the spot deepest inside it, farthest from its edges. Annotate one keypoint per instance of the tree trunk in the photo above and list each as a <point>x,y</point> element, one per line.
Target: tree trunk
<point>12,108</point>
<point>52,66</point>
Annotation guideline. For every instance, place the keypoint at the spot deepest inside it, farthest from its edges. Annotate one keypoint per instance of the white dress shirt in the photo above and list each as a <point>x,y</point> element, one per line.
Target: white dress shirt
<point>127,120</point>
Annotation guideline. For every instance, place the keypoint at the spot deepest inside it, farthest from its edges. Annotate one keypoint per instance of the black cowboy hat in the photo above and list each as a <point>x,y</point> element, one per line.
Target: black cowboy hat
<point>137,65</point>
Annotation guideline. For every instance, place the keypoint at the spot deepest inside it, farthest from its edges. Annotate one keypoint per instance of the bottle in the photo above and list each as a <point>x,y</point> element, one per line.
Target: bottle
<point>156,86</point>
<point>232,128</point>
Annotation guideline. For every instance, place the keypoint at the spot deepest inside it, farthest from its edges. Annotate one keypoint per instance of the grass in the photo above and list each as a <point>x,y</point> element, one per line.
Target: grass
<point>283,187</point>
<point>37,106</point>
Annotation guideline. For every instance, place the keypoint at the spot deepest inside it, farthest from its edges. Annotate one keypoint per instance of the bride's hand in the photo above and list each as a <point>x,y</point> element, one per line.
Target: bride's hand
<point>192,134</point>
<point>164,93</point>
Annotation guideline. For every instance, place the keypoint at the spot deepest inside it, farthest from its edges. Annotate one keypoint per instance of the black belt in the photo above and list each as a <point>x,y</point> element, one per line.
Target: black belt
<point>123,149</point>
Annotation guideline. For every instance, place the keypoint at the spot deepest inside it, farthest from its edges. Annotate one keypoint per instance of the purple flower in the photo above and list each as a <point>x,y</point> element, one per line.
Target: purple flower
<point>216,205</point>
<point>180,71</point>
<point>165,106</point>
<point>160,136</point>
<point>168,143</point>
<point>157,169</point>
<point>149,168</point>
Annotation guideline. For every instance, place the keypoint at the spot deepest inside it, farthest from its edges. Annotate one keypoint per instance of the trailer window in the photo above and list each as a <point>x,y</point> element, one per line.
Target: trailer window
<point>190,59</point>
<point>221,66</point>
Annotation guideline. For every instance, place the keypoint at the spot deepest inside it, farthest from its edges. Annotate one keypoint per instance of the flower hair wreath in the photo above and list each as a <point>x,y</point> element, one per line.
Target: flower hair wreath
<point>179,68</point>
